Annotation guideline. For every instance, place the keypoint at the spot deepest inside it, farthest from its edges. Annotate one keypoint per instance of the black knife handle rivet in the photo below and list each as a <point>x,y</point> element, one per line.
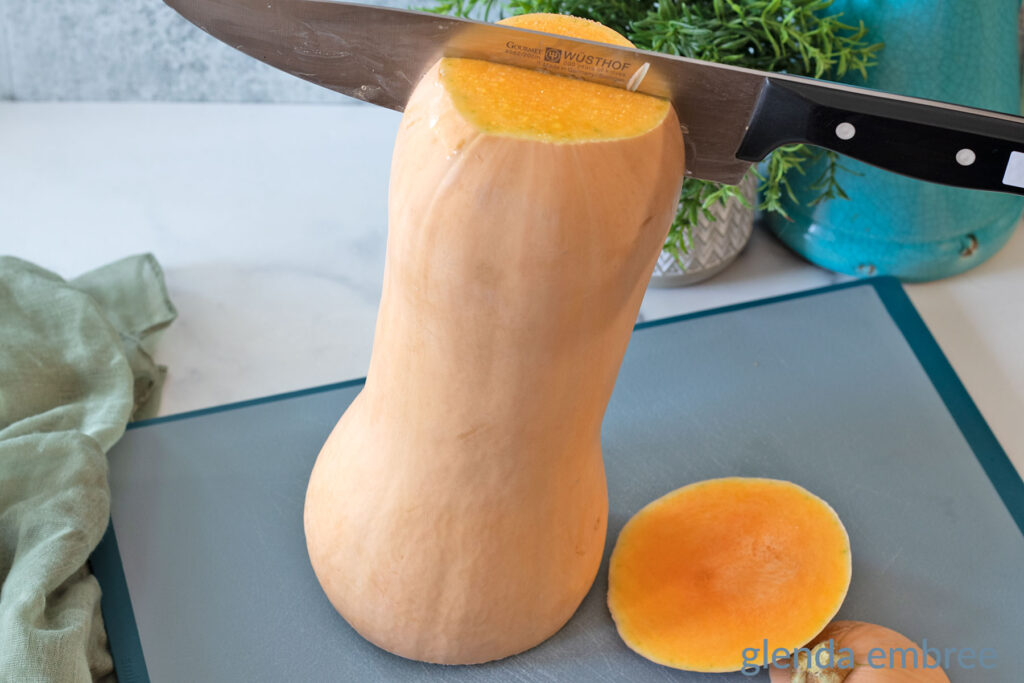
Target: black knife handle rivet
<point>966,157</point>
<point>925,140</point>
<point>845,130</point>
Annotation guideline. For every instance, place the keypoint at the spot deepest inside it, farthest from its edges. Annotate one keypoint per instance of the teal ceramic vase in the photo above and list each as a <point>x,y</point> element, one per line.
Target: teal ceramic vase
<point>961,51</point>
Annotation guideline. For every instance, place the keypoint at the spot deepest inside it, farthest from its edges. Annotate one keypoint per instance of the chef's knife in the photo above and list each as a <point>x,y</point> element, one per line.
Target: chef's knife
<point>731,116</point>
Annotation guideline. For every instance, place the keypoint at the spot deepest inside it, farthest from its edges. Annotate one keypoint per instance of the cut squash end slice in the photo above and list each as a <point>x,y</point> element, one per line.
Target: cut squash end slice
<point>705,576</point>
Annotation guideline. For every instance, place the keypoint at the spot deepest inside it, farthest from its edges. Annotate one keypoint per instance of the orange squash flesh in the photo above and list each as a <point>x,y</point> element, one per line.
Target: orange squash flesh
<point>566,25</point>
<point>510,101</point>
<point>719,566</point>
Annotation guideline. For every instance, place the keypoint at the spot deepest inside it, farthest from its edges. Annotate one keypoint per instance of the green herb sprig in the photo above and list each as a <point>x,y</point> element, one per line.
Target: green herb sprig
<point>798,37</point>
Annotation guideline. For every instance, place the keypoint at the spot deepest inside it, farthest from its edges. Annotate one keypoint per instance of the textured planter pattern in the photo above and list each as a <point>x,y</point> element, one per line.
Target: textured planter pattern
<point>713,244</point>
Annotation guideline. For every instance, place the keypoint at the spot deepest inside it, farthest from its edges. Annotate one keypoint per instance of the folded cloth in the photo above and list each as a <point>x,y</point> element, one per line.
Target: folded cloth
<point>75,367</point>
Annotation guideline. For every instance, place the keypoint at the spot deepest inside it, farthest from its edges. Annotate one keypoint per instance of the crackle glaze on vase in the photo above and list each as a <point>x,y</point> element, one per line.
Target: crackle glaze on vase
<point>953,50</point>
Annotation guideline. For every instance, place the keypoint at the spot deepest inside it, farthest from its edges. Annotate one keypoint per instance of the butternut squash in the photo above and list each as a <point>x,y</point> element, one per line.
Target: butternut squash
<point>457,512</point>
<point>706,574</point>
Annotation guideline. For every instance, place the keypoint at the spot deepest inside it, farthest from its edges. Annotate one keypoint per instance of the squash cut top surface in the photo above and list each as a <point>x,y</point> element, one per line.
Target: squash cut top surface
<point>713,568</point>
<point>508,100</point>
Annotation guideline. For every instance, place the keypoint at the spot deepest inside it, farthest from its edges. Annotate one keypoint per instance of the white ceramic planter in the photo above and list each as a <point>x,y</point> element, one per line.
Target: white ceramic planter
<point>713,244</point>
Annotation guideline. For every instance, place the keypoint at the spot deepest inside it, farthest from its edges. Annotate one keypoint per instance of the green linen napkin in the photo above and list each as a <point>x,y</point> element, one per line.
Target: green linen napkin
<point>75,367</point>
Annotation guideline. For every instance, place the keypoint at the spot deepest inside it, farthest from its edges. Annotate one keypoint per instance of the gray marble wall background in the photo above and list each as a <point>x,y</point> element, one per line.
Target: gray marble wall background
<point>132,50</point>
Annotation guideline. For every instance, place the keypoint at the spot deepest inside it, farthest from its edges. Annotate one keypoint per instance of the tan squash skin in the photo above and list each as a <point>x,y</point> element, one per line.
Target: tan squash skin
<point>457,513</point>
<point>860,638</point>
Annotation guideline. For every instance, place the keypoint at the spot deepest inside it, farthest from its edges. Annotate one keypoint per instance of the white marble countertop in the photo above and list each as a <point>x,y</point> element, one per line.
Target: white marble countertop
<point>270,223</point>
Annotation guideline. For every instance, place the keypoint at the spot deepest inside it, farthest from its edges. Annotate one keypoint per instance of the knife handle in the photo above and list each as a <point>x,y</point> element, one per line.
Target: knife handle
<point>930,141</point>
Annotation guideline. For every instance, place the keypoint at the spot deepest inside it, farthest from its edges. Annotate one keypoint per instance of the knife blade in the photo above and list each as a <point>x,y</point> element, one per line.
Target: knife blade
<point>732,116</point>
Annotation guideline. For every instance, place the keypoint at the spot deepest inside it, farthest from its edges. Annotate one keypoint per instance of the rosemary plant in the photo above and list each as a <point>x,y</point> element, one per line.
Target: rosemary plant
<point>799,37</point>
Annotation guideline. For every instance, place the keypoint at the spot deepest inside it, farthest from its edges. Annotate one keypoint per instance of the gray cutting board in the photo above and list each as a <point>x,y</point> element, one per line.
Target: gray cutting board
<point>842,391</point>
